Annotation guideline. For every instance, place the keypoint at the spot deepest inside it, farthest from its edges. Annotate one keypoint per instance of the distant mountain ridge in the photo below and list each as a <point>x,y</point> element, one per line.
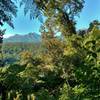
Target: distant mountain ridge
<point>27,38</point>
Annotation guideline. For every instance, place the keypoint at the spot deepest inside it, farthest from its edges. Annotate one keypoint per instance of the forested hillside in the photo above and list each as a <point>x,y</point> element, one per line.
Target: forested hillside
<point>59,67</point>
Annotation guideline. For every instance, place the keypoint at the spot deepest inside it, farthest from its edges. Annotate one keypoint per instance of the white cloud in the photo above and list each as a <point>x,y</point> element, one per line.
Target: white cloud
<point>8,35</point>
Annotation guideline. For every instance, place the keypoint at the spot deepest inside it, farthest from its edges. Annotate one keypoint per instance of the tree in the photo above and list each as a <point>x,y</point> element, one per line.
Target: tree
<point>7,11</point>
<point>60,13</point>
<point>17,79</point>
<point>2,32</point>
<point>87,73</point>
<point>93,24</point>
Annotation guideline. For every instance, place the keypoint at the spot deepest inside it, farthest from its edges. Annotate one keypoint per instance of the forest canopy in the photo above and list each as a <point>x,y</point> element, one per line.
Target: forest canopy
<point>65,67</point>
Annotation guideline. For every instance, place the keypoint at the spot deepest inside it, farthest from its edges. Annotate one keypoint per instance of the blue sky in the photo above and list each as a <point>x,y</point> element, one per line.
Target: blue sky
<point>24,25</point>
<point>90,12</point>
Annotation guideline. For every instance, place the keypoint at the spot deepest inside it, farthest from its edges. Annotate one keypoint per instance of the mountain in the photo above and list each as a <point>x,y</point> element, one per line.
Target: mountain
<point>31,37</point>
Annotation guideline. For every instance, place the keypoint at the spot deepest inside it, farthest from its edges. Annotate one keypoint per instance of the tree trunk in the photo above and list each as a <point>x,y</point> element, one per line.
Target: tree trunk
<point>70,24</point>
<point>3,94</point>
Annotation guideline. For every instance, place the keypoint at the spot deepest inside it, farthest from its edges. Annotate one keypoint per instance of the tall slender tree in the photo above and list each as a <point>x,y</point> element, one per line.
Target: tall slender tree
<point>60,13</point>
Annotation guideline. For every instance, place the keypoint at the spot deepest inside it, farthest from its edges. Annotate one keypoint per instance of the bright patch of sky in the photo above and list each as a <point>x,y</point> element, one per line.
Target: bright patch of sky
<point>90,12</point>
<point>24,25</point>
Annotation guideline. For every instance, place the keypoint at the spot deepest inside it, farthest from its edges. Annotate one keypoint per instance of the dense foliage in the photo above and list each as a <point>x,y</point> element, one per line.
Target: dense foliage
<point>7,10</point>
<point>65,67</point>
<point>60,14</point>
<point>64,70</point>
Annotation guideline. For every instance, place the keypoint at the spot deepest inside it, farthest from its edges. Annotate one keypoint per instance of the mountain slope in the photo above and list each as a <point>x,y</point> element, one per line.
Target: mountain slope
<point>31,37</point>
